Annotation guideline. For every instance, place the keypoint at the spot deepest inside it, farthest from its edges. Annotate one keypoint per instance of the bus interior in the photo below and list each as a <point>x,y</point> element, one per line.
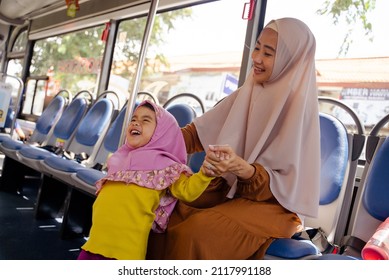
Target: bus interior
<point>55,53</point>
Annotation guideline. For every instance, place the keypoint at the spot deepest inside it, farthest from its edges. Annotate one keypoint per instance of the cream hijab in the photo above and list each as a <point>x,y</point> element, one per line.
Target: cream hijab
<point>277,124</point>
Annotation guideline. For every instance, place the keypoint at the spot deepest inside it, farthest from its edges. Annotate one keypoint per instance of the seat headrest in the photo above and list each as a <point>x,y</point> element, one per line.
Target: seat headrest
<point>50,114</point>
<point>183,113</point>
<point>70,118</point>
<point>376,191</point>
<point>334,157</point>
<point>112,138</point>
<point>94,122</point>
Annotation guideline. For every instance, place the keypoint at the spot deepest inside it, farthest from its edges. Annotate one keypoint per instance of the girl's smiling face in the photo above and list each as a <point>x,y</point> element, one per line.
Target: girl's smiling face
<point>142,127</point>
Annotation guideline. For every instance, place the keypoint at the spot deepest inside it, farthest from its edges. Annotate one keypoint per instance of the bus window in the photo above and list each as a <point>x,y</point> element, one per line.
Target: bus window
<point>35,96</point>
<point>355,74</point>
<point>15,63</point>
<point>17,53</point>
<point>71,61</point>
<point>15,67</point>
<point>20,42</point>
<point>125,58</point>
<point>195,50</point>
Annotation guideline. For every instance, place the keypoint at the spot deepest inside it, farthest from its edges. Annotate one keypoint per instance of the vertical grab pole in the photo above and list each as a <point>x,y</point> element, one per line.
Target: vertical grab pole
<point>139,68</point>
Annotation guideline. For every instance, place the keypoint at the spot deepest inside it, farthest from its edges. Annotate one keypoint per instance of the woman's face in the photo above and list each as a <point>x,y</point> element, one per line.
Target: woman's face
<point>142,127</point>
<point>264,55</point>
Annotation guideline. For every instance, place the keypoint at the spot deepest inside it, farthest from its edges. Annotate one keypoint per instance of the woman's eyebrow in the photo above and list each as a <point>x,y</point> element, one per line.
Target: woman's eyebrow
<point>270,48</point>
<point>267,46</point>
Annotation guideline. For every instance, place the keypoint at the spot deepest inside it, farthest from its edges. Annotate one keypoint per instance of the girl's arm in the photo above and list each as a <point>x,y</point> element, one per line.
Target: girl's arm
<point>190,188</point>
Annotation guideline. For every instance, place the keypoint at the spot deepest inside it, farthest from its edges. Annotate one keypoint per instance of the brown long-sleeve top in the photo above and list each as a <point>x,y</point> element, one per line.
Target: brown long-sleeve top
<point>256,188</point>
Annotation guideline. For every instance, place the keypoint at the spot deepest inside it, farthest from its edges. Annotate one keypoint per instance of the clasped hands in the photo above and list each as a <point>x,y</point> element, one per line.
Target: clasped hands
<point>220,159</point>
<point>217,160</point>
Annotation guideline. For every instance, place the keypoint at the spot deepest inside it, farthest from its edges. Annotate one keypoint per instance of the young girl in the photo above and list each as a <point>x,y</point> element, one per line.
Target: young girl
<point>145,178</point>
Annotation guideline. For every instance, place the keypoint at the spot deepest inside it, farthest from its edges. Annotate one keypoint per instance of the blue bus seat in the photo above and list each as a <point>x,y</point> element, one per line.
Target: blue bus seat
<point>183,113</point>
<point>335,160</point>
<point>109,146</point>
<point>112,139</point>
<point>85,179</point>
<point>61,137</point>
<point>372,199</point>
<point>48,119</point>
<point>196,103</point>
<point>87,139</point>
<point>196,160</point>
<point>357,137</point>
<point>42,129</point>
<point>31,155</point>
<point>57,170</point>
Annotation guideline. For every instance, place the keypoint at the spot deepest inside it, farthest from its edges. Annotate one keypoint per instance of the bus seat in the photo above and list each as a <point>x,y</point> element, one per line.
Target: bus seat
<point>43,127</point>
<point>183,113</point>
<point>196,160</point>
<point>85,179</point>
<point>357,137</point>
<point>195,102</point>
<point>87,139</point>
<point>31,155</point>
<point>66,127</point>
<point>48,119</point>
<point>334,170</point>
<point>62,135</point>
<point>372,199</point>
<point>112,139</point>
<point>109,146</point>
<point>333,257</point>
<point>57,169</point>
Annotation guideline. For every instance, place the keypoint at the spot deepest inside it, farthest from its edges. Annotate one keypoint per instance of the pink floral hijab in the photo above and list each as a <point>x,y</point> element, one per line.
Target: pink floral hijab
<point>156,165</point>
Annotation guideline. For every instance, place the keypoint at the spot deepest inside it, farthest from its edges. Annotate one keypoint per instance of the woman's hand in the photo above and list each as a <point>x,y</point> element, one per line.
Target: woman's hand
<point>222,159</point>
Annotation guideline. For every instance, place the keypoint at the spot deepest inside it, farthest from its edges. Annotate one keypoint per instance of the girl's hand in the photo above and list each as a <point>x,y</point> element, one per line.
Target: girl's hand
<point>207,169</point>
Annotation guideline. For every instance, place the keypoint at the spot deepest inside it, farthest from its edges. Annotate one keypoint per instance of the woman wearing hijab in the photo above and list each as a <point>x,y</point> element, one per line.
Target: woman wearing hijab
<point>145,177</point>
<point>270,180</point>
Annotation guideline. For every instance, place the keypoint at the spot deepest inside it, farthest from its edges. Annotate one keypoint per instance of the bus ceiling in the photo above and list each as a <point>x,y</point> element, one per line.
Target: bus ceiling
<point>19,12</point>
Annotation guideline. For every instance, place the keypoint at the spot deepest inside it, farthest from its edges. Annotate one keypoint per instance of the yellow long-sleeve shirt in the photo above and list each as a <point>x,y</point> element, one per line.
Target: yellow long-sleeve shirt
<point>123,215</point>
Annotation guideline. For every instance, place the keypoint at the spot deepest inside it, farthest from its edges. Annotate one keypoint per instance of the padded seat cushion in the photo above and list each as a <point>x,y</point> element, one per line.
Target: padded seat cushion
<point>89,175</point>
<point>62,164</point>
<point>12,144</point>
<point>288,248</point>
<point>35,153</point>
<point>4,137</point>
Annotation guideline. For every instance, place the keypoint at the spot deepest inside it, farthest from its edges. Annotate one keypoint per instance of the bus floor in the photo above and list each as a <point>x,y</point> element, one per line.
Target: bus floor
<point>23,237</point>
